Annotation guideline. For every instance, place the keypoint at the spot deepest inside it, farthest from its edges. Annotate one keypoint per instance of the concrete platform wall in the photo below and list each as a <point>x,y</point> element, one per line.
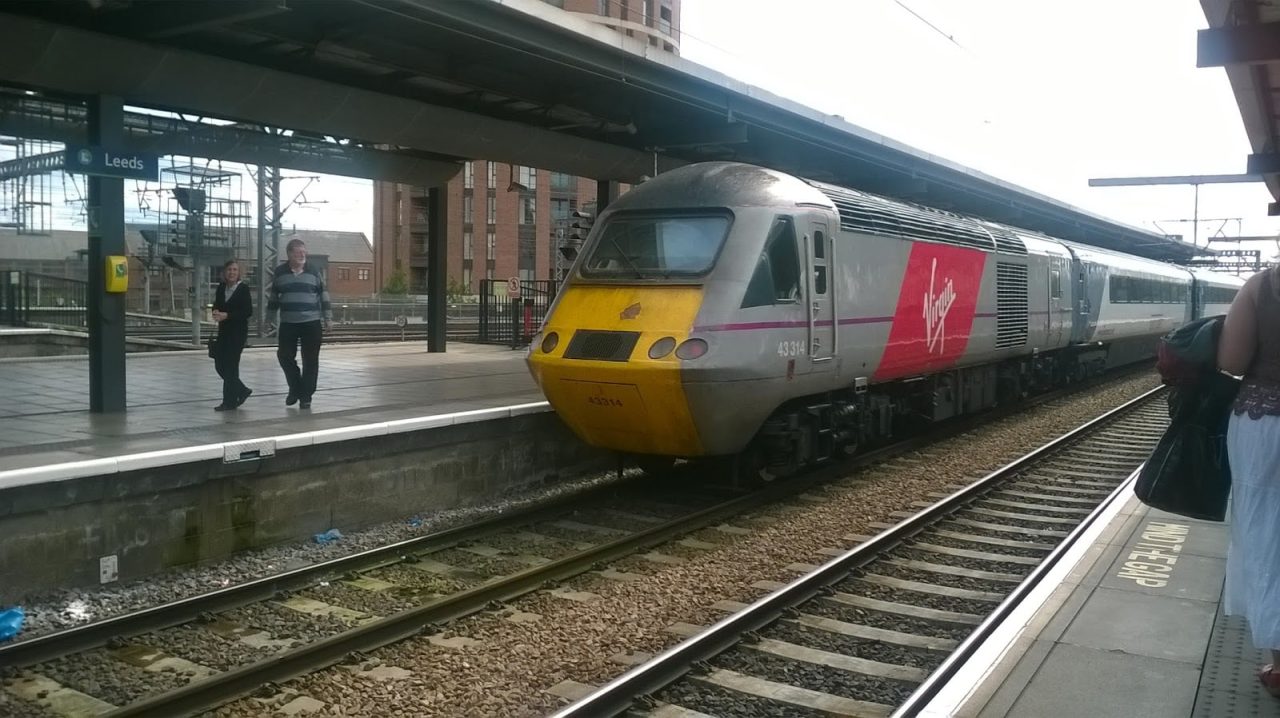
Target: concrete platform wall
<point>27,343</point>
<point>54,533</point>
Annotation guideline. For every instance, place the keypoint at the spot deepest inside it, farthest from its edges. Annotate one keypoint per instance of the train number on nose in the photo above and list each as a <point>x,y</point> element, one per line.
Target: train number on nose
<point>604,401</point>
<point>792,348</point>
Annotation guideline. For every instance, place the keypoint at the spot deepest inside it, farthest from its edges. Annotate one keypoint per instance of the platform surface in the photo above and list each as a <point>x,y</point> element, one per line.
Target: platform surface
<point>45,416</point>
<point>1137,630</point>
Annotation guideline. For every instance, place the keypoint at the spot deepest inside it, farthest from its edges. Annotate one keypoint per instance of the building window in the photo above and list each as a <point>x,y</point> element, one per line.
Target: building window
<point>469,174</point>
<point>493,210</point>
<point>363,274</point>
<point>561,182</point>
<point>528,210</point>
<point>560,208</point>
<point>468,209</point>
<point>466,279</point>
<point>603,8</point>
<point>490,242</point>
<point>467,250</point>
<point>664,19</point>
<point>488,273</point>
<point>344,273</point>
<point>528,178</point>
<point>493,175</point>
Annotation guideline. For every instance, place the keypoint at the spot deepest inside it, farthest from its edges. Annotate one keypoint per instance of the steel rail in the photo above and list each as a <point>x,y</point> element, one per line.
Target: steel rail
<point>227,686</point>
<point>216,690</point>
<point>621,694</point>
<point>219,689</point>
<point>944,673</point>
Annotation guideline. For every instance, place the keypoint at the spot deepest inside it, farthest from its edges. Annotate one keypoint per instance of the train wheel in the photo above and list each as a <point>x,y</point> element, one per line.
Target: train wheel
<point>655,465</point>
<point>751,467</point>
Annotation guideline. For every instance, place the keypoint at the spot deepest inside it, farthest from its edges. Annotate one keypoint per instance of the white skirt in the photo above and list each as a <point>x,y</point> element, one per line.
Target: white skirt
<point>1253,557</point>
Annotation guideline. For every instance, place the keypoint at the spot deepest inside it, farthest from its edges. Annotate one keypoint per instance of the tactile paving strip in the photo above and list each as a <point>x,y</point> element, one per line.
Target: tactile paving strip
<point>1227,685</point>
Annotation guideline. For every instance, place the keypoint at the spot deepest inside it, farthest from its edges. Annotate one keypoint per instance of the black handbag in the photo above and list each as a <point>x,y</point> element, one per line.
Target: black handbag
<point>213,347</point>
<point>1189,473</point>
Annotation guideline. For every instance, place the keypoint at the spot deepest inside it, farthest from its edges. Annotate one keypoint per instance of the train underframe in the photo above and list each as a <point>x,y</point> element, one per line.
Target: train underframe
<point>814,429</point>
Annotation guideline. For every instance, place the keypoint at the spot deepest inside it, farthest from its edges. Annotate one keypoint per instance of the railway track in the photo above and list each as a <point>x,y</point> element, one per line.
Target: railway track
<point>876,630</point>
<point>360,602</point>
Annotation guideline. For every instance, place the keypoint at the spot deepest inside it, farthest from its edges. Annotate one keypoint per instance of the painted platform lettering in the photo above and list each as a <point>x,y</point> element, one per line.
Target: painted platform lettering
<point>934,316</point>
<point>1150,562</point>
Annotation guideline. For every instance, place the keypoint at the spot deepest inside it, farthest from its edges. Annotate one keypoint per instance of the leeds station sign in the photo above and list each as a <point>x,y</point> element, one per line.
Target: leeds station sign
<point>104,162</point>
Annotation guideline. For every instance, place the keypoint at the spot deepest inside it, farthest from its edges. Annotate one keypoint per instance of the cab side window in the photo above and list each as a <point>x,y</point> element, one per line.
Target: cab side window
<point>776,279</point>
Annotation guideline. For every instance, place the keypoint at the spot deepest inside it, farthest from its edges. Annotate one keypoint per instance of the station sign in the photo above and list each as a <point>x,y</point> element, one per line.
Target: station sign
<point>104,162</point>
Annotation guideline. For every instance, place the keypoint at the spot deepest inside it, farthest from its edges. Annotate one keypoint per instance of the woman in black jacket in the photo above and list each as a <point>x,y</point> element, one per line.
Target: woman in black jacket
<point>232,307</point>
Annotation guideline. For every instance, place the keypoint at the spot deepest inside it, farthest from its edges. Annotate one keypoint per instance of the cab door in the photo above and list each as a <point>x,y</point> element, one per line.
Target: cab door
<point>822,311</point>
<point>1059,272</point>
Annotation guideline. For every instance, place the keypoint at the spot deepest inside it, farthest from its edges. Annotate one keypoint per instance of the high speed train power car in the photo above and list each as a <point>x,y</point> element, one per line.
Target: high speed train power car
<point>724,309</point>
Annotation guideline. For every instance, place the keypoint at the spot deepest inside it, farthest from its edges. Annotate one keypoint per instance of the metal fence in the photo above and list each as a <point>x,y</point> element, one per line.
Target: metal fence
<point>507,313</point>
<point>32,299</point>
<point>512,317</point>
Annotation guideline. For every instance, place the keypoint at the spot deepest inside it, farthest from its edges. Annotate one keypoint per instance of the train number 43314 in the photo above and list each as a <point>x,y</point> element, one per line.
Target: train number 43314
<point>603,401</point>
<point>791,348</point>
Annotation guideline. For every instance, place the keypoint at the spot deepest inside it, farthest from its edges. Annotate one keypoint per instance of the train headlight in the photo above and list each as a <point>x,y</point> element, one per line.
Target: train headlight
<point>691,349</point>
<point>662,347</point>
<point>549,342</point>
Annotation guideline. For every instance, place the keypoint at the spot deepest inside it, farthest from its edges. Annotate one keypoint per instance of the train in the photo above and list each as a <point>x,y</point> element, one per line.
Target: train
<point>727,310</point>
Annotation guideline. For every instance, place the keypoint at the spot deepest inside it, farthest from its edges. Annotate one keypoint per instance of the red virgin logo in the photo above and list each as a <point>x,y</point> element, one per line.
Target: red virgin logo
<point>934,316</point>
<point>935,311</point>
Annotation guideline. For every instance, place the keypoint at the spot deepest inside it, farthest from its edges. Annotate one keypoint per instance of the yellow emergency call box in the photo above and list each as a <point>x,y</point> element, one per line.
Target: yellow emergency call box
<point>117,274</point>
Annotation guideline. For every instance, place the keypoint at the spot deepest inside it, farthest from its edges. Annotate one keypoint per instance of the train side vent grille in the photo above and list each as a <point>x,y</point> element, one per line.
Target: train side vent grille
<point>1011,305</point>
<point>601,345</point>
<point>872,214</point>
<point>1006,241</point>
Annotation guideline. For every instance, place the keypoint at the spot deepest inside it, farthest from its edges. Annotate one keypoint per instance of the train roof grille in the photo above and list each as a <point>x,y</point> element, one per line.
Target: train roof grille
<point>864,212</point>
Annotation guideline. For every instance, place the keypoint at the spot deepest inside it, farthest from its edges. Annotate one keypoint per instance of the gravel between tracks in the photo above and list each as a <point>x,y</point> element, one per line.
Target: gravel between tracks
<point>56,610</point>
<point>507,672</point>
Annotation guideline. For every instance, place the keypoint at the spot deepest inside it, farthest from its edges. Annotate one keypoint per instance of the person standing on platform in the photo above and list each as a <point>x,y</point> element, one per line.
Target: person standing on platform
<point>1250,346</point>
<point>298,293</point>
<point>232,307</point>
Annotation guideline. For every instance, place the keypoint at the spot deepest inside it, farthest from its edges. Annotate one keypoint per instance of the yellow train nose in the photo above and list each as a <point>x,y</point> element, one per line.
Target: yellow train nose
<point>611,372</point>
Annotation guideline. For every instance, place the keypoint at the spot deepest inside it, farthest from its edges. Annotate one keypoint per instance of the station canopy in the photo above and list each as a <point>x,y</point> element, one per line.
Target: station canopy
<point>516,81</point>
<point>1244,38</point>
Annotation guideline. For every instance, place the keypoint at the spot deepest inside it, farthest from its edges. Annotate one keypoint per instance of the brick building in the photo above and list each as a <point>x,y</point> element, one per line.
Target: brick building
<point>345,259</point>
<point>503,218</point>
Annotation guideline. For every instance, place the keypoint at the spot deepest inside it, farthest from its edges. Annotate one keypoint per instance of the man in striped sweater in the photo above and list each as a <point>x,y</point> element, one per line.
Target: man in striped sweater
<point>298,293</point>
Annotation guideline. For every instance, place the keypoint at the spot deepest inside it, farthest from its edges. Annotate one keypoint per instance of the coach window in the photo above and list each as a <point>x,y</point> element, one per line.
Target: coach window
<point>1055,284</point>
<point>777,276</point>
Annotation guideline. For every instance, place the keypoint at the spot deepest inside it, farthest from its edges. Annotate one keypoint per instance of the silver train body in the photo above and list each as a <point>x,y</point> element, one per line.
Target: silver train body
<point>829,315</point>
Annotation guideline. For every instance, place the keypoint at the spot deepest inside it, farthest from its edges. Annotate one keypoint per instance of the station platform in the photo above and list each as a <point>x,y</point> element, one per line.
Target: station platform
<point>45,418</point>
<point>393,431</point>
<point>1131,625</point>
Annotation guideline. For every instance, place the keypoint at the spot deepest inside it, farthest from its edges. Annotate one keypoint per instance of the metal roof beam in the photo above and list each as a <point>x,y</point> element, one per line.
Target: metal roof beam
<point>1266,163</point>
<point>1239,45</point>
<point>67,123</point>
<point>732,133</point>
<point>175,19</point>
<point>1254,176</point>
<point>33,165</point>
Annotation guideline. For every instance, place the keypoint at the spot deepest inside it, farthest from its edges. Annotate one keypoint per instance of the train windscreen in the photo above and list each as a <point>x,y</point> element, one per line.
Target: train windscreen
<point>656,247</point>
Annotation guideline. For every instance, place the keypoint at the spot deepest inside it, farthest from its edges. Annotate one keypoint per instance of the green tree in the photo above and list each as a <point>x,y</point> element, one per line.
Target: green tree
<point>396,284</point>
<point>455,290</point>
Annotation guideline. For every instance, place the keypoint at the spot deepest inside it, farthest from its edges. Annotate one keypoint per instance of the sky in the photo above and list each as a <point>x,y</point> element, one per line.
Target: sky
<point>1042,95</point>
